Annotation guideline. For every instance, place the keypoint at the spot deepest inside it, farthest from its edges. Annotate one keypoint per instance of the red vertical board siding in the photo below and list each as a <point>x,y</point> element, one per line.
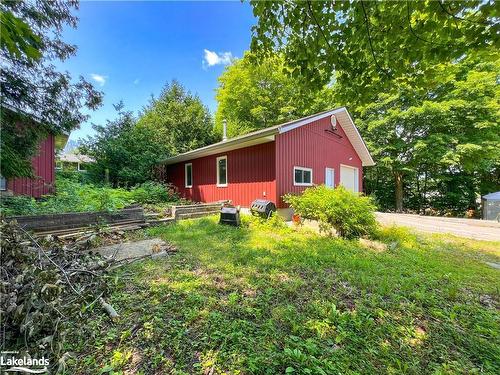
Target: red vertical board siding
<point>250,175</point>
<point>312,146</point>
<point>43,169</point>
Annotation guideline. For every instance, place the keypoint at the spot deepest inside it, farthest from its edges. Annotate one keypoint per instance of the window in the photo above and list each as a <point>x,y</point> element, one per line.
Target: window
<point>188,173</point>
<point>82,167</point>
<point>222,171</point>
<point>3,183</point>
<point>59,165</point>
<point>302,176</point>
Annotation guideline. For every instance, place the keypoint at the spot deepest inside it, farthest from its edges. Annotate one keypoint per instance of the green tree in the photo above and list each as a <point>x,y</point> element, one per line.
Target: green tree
<point>254,95</point>
<point>437,146</point>
<point>178,120</point>
<point>372,44</point>
<point>123,151</point>
<point>33,92</point>
<point>130,148</point>
<point>428,116</point>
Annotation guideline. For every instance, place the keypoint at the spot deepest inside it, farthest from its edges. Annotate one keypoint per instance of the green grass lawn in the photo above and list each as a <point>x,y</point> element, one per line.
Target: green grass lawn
<point>262,299</point>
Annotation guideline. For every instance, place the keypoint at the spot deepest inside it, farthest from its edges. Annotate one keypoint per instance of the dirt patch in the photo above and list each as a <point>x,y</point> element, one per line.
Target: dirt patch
<point>375,246</point>
<point>135,361</point>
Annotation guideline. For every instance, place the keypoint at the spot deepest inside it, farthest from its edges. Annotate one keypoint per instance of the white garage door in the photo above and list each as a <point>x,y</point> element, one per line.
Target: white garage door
<point>349,178</point>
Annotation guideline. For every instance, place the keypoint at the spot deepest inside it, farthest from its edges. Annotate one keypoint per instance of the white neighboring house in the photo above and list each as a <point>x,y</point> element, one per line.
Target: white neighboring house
<point>73,161</point>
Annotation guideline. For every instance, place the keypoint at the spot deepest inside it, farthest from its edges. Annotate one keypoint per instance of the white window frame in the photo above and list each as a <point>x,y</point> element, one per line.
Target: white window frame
<point>80,168</point>
<point>5,182</point>
<point>186,175</point>
<point>356,182</point>
<point>333,176</point>
<point>217,168</point>
<point>295,183</point>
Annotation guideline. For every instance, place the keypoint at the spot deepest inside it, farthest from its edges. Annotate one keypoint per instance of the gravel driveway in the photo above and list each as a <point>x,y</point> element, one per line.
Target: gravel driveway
<point>469,228</point>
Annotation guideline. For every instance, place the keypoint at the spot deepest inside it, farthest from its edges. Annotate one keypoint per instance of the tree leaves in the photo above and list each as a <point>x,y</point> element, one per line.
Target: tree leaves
<point>35,93</point>
<point>130,148</point>
<point>178,119</point>
<point>411,72</point>
<point>254,95</point>
<point>18,38</point>
<point>371,44</point>
<point>432,136</point>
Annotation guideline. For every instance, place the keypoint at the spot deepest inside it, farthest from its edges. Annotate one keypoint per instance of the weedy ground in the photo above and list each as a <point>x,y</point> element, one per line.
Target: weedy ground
<point>268,299</point>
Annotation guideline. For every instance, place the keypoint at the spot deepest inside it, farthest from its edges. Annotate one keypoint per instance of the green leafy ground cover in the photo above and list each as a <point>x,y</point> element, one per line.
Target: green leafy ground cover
<point>73,195</point>
<point>267,299</point>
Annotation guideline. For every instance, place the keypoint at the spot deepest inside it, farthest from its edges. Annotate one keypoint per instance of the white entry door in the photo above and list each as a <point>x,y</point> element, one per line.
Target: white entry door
<point>349,178</point>
<point>330,177</point>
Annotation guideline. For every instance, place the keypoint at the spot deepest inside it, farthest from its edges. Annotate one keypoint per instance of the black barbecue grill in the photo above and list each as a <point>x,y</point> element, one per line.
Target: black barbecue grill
<point>263,208</point>
<point>230,215</point>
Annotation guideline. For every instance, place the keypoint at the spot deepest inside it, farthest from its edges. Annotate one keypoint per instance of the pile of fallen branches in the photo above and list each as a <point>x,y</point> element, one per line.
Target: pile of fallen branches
<point>45,285</point>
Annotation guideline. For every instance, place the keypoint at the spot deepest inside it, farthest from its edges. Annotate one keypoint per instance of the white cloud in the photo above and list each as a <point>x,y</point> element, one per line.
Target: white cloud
<point>136,81</point>
<point>213,58</point>
<point>100,79</point>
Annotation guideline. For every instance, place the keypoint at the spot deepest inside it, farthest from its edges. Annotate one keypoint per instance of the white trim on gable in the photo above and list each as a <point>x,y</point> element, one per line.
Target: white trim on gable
<point>347,124</point>
<point>306,121</point>
<point>362,141</point>
<point>268,135</point>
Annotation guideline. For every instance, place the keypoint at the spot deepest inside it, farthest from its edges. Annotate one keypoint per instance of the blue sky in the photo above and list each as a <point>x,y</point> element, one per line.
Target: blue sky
<point>131,49</point>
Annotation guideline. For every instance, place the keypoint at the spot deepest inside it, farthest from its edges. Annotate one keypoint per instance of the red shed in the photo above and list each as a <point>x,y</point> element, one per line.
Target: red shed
<point>325,148</point>
<point>43,169</point>
<point>43,163</point>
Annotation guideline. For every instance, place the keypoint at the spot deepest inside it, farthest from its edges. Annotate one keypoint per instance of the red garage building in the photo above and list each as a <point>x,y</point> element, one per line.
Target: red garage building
<point>325,148</point>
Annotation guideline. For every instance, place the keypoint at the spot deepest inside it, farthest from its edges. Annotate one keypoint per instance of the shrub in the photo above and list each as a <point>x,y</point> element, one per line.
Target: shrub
<point>73,175</point>
<point>74,196</point>
<point>17,205</point>
<point>350,214</point>
<point>153,192</point>
<point>275,222</point>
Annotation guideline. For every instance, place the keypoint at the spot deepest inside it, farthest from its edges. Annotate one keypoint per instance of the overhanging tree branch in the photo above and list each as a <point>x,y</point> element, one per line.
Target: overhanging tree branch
<point>314,19</point>
<point>461,18</point>
<point>367,23</point>
<point>413,31</point>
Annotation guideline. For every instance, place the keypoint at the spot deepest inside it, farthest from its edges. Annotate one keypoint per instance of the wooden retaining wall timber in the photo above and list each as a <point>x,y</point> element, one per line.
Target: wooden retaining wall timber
<point>196,210</point>
<point>41,223</point>
<point>69,220</point>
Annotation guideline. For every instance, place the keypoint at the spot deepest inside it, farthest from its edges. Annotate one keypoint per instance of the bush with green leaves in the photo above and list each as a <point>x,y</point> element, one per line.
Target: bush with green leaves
<point>18,205</point>
<point>350,214</point>
<point>73,196</point>
<point>274,222</point>
<point>74,175</point>
<point>153,192</point>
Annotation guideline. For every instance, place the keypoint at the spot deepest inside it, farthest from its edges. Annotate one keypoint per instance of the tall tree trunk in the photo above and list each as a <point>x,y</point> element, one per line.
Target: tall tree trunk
<point>399,191</point>
<point>424,193</point>
<point>419,193</point>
